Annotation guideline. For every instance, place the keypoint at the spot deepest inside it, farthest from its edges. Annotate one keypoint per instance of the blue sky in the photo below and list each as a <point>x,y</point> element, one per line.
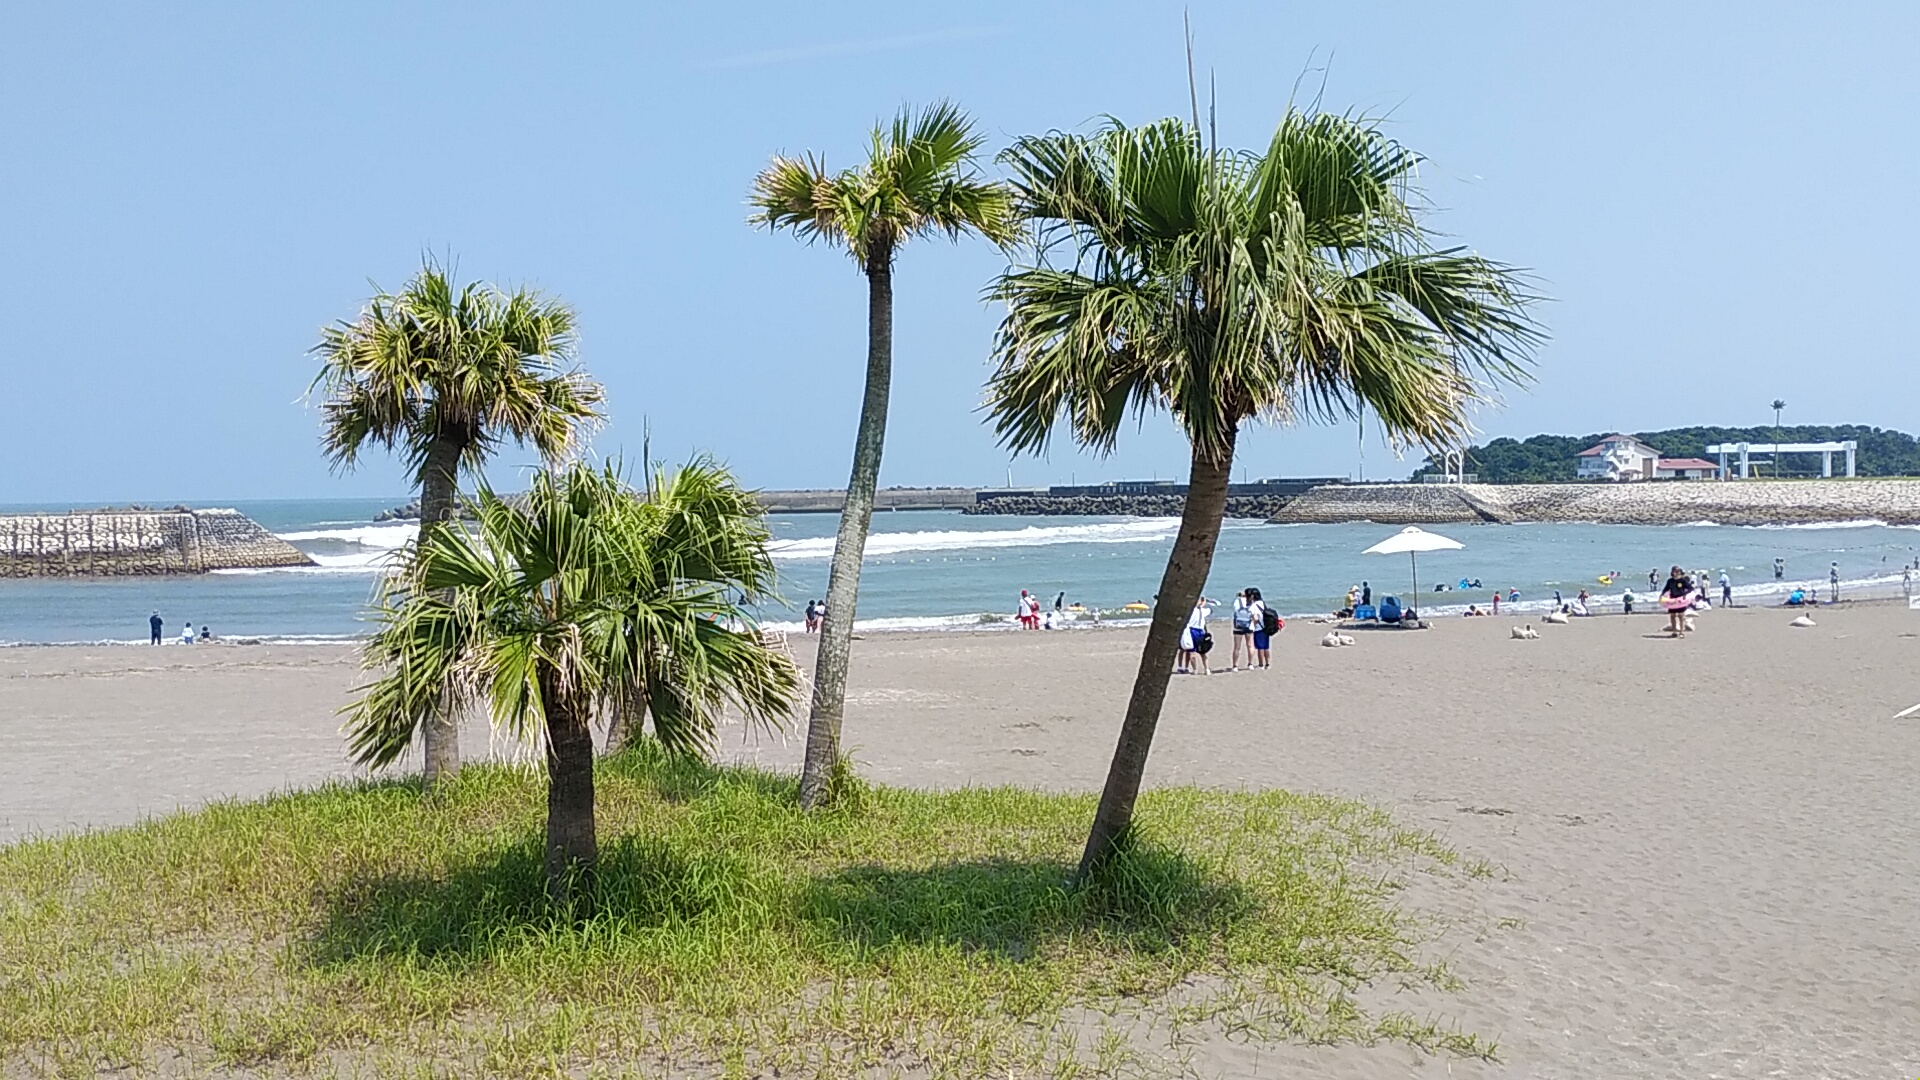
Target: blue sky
<point>1720,199</point>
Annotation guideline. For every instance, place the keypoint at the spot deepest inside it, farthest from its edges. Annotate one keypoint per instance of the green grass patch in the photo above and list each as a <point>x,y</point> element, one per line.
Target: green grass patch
<point>366,929</point>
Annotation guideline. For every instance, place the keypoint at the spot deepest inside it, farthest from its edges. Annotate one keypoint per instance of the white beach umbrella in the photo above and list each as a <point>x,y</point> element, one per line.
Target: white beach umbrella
<point>1413,539</point>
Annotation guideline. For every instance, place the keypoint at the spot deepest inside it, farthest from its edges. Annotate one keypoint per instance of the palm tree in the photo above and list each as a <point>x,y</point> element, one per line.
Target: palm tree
<point>1779,405</point>
<point>582,600</point>
<point>919,179</point>
<point>1224,287</point>
<point>445,376</point>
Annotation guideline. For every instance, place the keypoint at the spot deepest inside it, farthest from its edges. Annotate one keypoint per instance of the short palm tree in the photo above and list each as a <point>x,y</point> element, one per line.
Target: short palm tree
<point>582,600</point>
<point>919,179</point>
<point>1224,287</point>
<point>445,375</point>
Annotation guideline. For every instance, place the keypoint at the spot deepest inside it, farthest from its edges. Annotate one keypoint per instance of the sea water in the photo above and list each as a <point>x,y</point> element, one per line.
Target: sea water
<point>931,570</point>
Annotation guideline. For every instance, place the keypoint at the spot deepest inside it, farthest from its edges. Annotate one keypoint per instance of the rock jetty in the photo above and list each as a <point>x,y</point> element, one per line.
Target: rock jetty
<point>118,543</point>
<point>1746,502</point>
<point>1238,506</point>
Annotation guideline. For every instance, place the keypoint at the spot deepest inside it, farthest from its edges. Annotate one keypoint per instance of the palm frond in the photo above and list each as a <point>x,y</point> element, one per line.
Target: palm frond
<point>1223,286</point>
<point>919,179</point>
<point>587,589</point>
<point>474,364</point>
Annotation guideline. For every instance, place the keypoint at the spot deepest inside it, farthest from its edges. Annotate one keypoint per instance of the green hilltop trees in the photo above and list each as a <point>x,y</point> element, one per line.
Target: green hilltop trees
<point>919,179</point>
<point>1549,459</point>
<point>446,375</point>
<point>1224,287</point>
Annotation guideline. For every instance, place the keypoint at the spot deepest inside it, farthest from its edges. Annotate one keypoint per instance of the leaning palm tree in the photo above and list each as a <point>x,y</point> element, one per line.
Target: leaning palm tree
<point>582,601</point>
<point>1225,287</point>
<point>446,375</point>
<point>918,180</point>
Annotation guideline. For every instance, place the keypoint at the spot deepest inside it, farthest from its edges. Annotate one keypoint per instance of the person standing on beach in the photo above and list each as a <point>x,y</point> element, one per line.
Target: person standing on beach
<point>1266,623</point>
<point>186,636</point>
<point>1366,594</point>
<point>154,624</point>
<point>1190,642</point>
<point>1726,590</point>
<point>1242,631</point>
<point>1833,579</point>
<point>1677,598</point>
<point>1496,601</point>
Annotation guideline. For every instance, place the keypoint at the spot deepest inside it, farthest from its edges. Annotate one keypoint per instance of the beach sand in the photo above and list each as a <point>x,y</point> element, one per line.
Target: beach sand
<point>1707,851</point>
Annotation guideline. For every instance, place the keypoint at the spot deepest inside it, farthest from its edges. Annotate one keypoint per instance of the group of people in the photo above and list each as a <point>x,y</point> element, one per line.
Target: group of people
<point>157,627</point>
<point>1027,611</point>
<point>816,611</point>
<point>1254,625</point>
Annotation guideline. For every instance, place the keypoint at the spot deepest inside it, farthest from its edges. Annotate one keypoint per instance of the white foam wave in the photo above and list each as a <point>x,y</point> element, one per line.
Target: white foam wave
<point>365,562</point>
<point>976,621</point>
<point>376,536</point>
<point>235,639</point>
<point>1147,530</point>
<point>1855,523</point>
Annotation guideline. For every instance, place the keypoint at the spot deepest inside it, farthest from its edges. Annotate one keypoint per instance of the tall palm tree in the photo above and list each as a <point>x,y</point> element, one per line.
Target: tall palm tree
<point>580,601</point>
<point>919,179</point>
<point>446,375</point>
<point>1224,287</point>
<point>1779,404</point>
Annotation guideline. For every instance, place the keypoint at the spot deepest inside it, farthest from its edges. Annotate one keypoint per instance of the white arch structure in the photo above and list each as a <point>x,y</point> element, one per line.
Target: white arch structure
<point>1826,450</point>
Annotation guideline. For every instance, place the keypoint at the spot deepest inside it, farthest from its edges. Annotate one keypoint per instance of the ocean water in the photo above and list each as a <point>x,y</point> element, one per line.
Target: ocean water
<point>945,570</point>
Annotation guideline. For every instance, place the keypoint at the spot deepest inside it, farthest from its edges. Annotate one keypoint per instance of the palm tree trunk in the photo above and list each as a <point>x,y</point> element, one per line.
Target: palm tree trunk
<point>850,545</point>
<point>572,846</point>
<point>1180,587</point>
<point>440,735</point>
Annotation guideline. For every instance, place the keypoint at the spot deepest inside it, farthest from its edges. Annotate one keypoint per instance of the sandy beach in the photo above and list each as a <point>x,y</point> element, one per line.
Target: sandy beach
<point>1707,851</point>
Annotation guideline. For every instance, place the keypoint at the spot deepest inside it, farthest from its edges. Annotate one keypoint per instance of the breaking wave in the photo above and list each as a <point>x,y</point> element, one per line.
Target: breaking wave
<point>1147,530</point>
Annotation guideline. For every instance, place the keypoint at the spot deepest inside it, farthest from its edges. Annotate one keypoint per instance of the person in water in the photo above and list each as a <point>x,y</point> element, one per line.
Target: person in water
<point>1677,597</point>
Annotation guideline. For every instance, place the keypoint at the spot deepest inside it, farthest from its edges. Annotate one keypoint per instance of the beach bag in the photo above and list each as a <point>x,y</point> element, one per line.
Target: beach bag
<point>1243,620</point>
<point>1270,623</point>
<point>1202,642</point>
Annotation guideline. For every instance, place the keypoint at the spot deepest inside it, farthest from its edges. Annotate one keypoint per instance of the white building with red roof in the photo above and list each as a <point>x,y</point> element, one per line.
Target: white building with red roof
<point>1623,457</point>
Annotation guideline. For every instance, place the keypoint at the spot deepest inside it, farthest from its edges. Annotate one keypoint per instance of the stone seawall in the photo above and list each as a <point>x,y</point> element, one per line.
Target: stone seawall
<point>1749,502</point>
<point>119,543</point>
<point>1238,506</point>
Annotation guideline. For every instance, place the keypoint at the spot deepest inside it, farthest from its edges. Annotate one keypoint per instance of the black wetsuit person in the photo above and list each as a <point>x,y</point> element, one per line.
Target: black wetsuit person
<point>154,624</point>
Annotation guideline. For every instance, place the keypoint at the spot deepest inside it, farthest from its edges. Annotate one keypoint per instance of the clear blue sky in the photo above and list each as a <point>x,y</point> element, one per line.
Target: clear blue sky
<point>1720,198</point>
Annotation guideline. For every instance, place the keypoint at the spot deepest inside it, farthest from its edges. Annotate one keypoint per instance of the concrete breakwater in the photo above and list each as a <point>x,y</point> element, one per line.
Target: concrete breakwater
<point>1238,506</point>
<point>1750,502</point>
<point>117,543</point>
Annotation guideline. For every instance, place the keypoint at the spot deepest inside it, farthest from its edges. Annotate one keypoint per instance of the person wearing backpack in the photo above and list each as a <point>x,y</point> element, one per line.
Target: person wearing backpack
<point>1266,623</point>
<point>1243,624</point>
<point>1196,642</point>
